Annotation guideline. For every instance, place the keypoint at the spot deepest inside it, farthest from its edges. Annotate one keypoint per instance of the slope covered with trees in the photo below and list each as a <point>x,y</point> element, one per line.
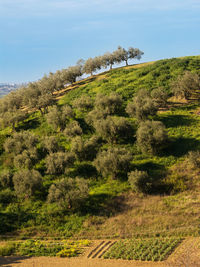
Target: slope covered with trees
<point>65,164</point>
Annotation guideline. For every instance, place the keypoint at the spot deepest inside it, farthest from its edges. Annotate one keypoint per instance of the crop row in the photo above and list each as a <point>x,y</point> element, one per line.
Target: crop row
<point>65,248</point>
<point>143,249</point>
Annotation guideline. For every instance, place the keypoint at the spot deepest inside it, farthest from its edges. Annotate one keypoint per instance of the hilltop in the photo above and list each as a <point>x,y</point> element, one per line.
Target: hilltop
<point>61,147</point>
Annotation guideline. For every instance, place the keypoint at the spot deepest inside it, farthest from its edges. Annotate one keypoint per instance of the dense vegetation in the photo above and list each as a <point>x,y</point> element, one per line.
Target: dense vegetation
<point>153,249</point>
<point>62,164</point>
<point>62,248</point>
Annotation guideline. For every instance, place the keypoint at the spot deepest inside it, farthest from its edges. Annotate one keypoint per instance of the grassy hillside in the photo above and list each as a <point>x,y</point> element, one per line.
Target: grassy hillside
<point>111,209</point>
<point>128,80</point>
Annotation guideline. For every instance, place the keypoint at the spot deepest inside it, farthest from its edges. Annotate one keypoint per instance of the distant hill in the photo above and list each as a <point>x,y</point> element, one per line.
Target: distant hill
<point>6,88</point>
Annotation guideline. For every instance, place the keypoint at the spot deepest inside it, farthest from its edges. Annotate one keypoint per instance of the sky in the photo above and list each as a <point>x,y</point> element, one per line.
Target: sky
<point>42,36</point>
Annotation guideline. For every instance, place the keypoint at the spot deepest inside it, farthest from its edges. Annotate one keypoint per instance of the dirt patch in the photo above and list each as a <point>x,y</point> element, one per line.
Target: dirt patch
<point>72,262</point>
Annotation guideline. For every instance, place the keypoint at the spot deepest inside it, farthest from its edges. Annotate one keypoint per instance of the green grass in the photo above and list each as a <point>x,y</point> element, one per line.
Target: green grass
<point>127,81</point>
<point>153,249</point>
<point>107,198</point>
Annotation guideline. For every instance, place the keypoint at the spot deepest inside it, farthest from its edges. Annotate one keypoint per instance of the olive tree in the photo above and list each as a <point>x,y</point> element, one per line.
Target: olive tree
<point>138,181</point>
<point>50,144</point>
<point>6,178</point>
<point>73,129</point>
<point>58,118</point>
<point>159,96</point>
<point>56,163</point>
<point>68,193</point>
<point>151,135</point>
<point>26,159</point>
<point>70,74</point>
<point>142,106</point>
<point>27,182</point>
<point>83,103</point>
<point>108,59</point>
<point>113,128</point>
<point>110,104</point>
<point>85,149</point>
<point>186,85</point>
<point>19,142</point>
<point>92,65</point>
<point>112,161</point>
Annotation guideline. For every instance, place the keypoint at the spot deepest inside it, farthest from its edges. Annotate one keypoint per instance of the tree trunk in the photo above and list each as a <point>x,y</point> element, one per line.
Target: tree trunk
<point>13,127</point>
<point>41,112</point>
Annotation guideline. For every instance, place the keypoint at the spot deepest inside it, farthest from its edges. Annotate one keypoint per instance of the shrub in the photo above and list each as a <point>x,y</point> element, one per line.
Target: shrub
<point>26,159</point>
<point>159,95</point>
<point>68,192</point>
<point>142,105</point>
<point>111,104</point>
<point>6,178</point>
<point>194,158</point>
<point>138,181</point>
<point>27,182</point>
<point>151,135</point>
<point>19,142</point>
<point>58,118</point>
<point>8,249</point>
<point>113,128</point>
<point>56,163</point>
<point>50,144</point>
<point>186,85</point>
<point>112,162</point>
<point>85,150</point>
<point>73,129</point>
<point>83,103</point>
<point>7,196</point>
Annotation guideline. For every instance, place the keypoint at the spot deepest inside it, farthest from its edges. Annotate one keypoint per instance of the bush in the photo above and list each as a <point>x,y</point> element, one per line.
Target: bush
<point>159,95</point>
<point>85,150</point>
<point>186,85</point>
<point>83,103</point>
<point>112,162</point>
<point>68,192</point>
<point>50,144</point>
<point>56,163</point>
<point>27,182</point>
<point>113,128</point>
<point>58,118</point>
<point>138,181</point>
<point>142,106</point>
<point>194,158</point>
<point>7,196</point>
<point>6,178</point>
<point>73,129</point>
<point>19,142</point>
<point>111,104</point>
<point>8,249</point>
<point>26,159</point>
<point>151,135</point>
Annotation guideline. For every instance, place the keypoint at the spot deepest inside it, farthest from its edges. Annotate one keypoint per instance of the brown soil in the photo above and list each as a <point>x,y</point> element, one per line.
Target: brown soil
<point>72,262</point>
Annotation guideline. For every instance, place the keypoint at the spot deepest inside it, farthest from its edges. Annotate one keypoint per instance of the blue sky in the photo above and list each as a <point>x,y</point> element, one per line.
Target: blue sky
<point>39,36</point>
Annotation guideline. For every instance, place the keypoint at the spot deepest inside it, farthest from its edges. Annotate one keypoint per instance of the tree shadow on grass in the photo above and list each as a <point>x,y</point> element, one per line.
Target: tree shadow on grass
<point>103,204</point>
<point>177,120</point>
<point>153,184</point>
<point>27,125</point>
<point>181,146</point>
